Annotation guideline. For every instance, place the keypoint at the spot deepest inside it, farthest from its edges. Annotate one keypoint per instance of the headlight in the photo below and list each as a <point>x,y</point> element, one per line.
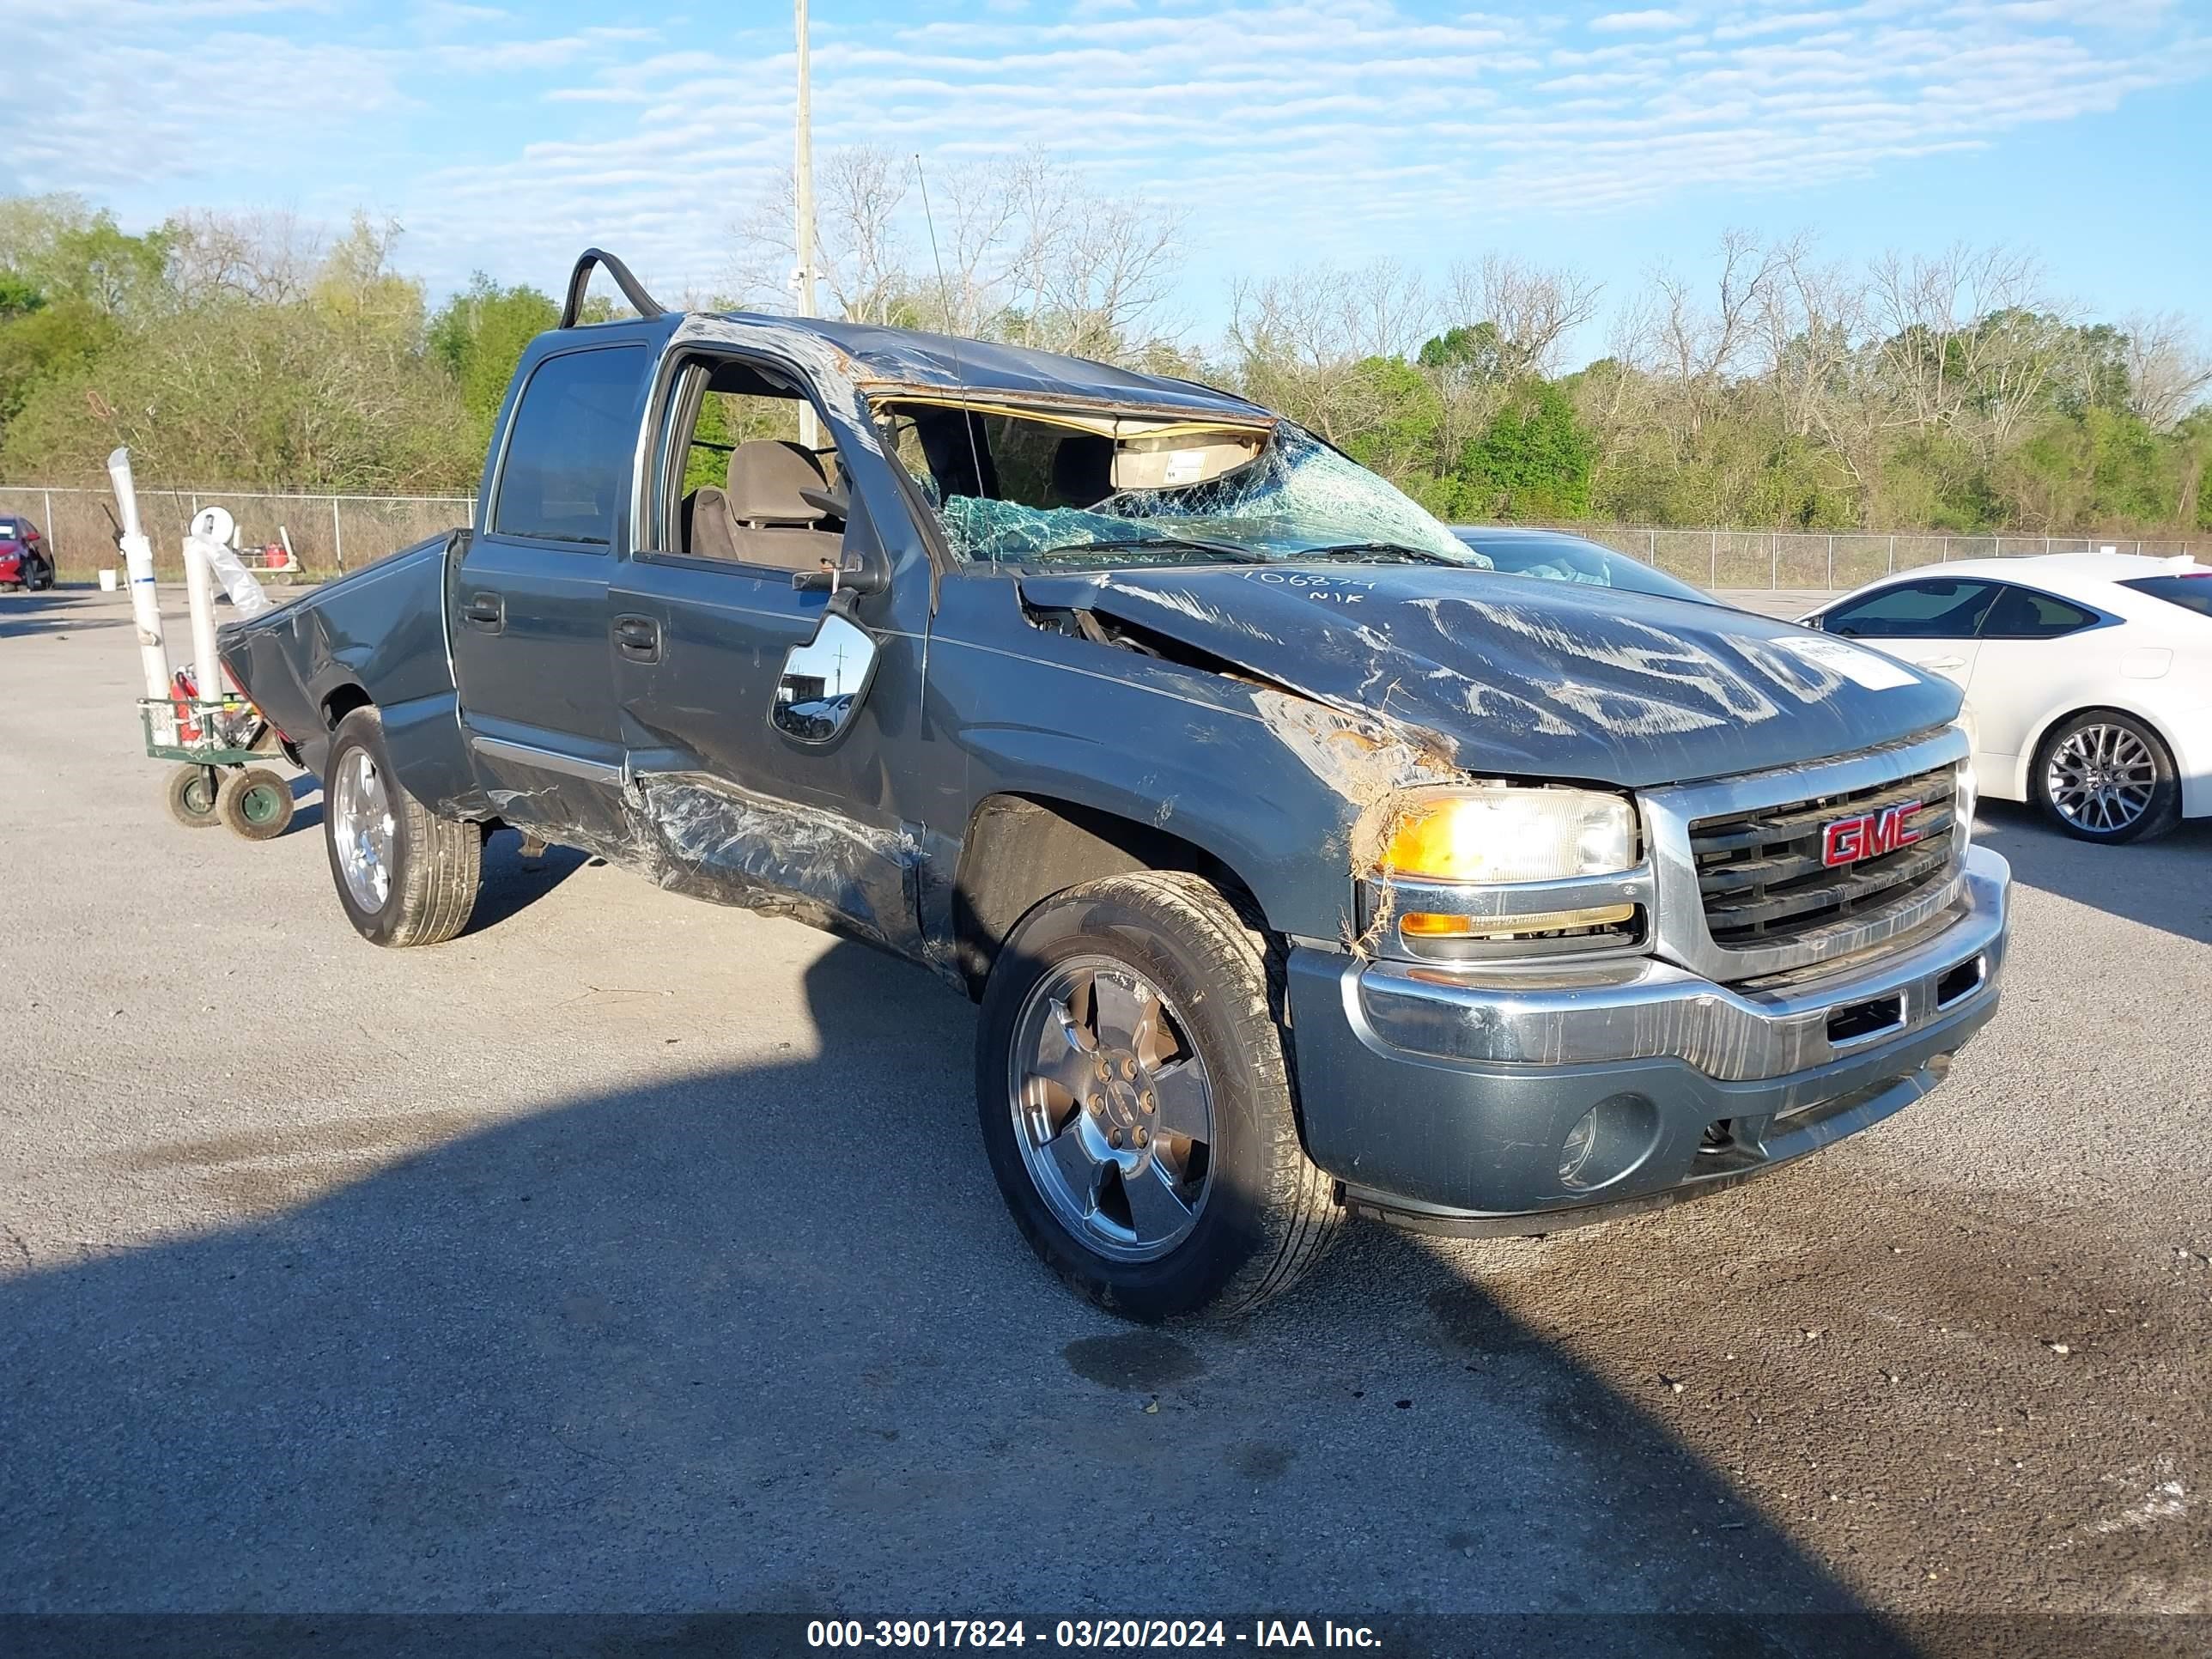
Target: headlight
<point>1504,835</point>
<point>1511,835</point>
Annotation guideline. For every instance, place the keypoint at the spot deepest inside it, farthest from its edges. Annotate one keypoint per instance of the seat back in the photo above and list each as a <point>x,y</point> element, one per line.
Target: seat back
<point>770,521</point>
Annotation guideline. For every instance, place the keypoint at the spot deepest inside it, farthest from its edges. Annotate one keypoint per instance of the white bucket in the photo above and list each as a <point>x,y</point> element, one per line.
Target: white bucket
<point>108,582</point>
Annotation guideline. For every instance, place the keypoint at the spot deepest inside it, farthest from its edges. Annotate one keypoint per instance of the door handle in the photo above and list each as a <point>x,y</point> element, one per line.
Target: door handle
<point>1944,664</point>
<point>484,611</point>
<point>638,638</point>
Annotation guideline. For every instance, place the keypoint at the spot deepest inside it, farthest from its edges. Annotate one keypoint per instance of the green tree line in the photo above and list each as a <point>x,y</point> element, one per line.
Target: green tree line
<point>1773,390</point>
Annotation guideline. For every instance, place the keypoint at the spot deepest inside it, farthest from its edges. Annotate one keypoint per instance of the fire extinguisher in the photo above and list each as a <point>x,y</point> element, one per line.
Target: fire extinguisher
<point>185,695</point>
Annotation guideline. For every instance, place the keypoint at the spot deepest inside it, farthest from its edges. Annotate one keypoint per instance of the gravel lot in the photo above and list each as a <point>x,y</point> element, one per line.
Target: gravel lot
<point>631,1254</point>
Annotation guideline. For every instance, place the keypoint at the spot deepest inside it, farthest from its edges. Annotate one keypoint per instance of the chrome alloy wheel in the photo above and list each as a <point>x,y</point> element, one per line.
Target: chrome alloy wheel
<point>361,829</point>
<point>2101,779</point>
<point>1113,1109</point>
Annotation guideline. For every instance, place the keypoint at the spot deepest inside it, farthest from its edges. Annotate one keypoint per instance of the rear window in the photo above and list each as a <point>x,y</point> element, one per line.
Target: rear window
<point>572,438</point>
<point>2190,592</point>
<point>2021,613</point>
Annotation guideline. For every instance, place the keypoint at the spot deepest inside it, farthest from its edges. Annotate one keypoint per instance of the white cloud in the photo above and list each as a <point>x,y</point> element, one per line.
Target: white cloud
<point>1639,22</point>
<point>1287,129</point>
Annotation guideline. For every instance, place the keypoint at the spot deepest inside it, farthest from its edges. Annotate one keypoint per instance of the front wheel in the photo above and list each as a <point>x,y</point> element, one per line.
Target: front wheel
<point>256,802</point>
<point>2103,775</point>
<point>1136,1103</point>
<point>404,875</point>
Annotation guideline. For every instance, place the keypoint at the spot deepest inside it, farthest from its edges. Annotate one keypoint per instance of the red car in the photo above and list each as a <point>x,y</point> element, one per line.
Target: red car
<point>24,561</point>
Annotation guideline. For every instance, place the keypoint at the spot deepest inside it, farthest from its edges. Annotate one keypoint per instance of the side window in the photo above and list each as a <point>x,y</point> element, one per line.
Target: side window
<point>1938,608</point>
<point>568,447</point>
<point>744,489</point>
<point>2021,613</point>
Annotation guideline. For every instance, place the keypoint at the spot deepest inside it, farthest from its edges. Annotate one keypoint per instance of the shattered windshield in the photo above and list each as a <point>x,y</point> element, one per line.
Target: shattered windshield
<point>1011,490</point>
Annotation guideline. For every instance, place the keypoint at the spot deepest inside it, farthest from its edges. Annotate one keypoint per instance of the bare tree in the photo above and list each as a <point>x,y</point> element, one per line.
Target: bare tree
<point>2169,369</point>
<point>1301,340</point>
<point>1531,308</point>
<point>1023,247</point>
<point>1970,337</point>
<point>267,257</point>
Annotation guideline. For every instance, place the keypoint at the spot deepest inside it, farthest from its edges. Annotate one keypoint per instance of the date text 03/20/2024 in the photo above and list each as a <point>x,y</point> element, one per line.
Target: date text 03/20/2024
<point>1084,1633</point>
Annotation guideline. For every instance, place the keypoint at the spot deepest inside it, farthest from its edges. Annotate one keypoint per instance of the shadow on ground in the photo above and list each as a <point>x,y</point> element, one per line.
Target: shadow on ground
<point>2165,883</point>
<point>761,1339</point>
<point>59,610</point>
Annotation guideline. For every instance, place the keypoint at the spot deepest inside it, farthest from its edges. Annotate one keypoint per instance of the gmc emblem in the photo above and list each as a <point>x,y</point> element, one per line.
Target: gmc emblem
<point>1870,834</point>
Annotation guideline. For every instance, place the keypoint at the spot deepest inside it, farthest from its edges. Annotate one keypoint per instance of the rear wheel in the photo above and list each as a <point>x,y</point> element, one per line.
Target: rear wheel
<point>256,802</point>
<point>2103,775</point>
<point>191,795</point>
<point>1136,1105</point>
<point>405,876</point>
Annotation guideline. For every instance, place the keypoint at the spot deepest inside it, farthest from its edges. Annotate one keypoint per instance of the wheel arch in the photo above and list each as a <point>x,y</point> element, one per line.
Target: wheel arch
<point>1022,847</point>
<point>341,700</point>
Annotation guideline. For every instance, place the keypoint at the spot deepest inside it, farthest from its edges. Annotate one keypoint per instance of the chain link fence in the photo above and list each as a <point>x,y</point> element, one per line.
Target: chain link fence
<point>331,534</point>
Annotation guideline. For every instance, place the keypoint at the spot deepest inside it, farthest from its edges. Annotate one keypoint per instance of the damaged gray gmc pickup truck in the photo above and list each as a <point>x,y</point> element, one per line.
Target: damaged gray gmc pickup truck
<point>1304,864</point>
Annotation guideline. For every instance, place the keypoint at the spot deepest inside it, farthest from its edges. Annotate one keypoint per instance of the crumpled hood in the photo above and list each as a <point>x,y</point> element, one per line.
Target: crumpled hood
<point>1524,677</point>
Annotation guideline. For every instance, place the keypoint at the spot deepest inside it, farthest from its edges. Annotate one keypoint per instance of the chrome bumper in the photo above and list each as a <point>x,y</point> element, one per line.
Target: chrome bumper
<point>1452,1100</point>
<point>1645,1008</point>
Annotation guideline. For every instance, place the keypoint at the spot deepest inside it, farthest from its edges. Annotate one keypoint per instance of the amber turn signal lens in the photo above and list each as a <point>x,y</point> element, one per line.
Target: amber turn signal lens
<point>1430,924</point>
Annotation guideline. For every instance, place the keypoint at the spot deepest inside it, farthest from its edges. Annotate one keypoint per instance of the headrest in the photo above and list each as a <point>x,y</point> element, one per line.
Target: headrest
<point>765,477</point>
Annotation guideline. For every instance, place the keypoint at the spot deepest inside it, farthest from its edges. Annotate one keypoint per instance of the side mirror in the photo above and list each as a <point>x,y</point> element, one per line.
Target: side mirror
<point>825,680</point>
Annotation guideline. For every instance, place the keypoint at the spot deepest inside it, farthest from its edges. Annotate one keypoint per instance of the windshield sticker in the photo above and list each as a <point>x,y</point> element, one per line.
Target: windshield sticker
<point>1877,673</point>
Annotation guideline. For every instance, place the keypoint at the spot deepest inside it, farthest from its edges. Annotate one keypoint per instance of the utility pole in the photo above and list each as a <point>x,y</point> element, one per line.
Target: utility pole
<point>802,175</point>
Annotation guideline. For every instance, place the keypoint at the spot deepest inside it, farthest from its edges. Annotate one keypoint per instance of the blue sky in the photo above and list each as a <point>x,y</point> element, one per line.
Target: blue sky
<point>1611,137</point>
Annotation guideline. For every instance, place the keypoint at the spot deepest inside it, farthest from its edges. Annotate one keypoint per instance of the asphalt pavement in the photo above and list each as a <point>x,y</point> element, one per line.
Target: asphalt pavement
<point>628,1253</point>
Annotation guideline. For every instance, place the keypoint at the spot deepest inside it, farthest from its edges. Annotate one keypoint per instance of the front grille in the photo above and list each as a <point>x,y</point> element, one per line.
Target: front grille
<point>1762,879</point>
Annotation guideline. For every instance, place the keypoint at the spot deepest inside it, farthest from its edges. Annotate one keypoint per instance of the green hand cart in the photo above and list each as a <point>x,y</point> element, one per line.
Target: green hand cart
<point>217,744</point>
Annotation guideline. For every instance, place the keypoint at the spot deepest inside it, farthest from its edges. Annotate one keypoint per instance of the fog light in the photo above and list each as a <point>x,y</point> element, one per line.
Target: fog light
<point>1574,1152</point>
<point>1610,1141</point>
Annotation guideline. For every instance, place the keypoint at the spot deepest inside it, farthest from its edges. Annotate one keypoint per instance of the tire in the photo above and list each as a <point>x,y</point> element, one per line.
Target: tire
<point>255,802</point>
<point>414,878</point>
<point>42,579</point>
<point>1261,1213</point>
<point>190,794</point>
<point>2103,775</point>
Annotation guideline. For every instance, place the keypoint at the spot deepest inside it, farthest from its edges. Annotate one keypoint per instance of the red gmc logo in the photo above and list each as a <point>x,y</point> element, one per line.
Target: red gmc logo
<point>1870,834</point>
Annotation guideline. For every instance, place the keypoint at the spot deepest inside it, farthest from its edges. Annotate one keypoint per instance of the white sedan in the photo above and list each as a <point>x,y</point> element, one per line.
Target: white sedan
<point>2088,676</point>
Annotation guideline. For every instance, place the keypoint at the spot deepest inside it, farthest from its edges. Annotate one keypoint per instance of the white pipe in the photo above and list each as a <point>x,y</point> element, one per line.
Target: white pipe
<point>199,595</point>
<point>145,604</point>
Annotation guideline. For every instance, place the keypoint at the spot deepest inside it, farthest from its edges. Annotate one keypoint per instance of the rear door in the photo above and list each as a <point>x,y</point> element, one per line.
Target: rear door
<point>527,603</point>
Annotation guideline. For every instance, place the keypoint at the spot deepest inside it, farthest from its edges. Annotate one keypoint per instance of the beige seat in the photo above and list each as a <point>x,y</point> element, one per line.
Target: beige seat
<point>760,517</point>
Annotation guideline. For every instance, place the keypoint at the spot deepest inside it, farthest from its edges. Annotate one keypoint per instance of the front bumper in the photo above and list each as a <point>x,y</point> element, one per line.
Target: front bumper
<point>1445,1099</point>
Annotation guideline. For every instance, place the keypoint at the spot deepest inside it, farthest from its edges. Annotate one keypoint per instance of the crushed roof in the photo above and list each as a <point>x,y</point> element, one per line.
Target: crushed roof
<point>909,357</point>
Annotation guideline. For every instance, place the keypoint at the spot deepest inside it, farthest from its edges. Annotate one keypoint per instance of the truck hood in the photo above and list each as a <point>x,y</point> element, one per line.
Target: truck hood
<point>1520,677</point>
